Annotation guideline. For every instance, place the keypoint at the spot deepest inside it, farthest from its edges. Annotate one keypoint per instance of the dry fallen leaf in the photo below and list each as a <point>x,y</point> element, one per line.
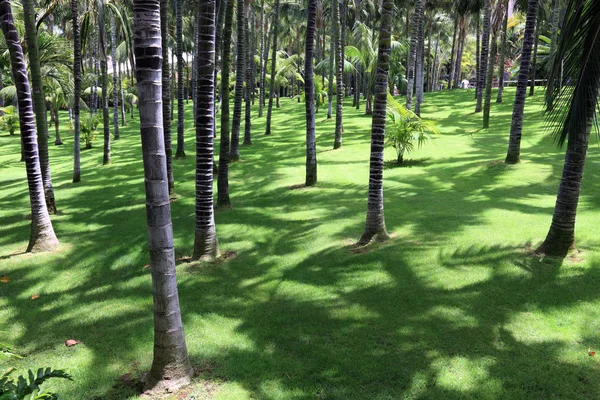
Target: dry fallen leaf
<point>146,266</point>
<point>71,342</point>
<point>35,296</point>
<point>5,279</point>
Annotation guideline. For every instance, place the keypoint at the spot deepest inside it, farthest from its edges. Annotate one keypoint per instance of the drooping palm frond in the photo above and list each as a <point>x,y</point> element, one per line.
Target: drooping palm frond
<point>578,56</point>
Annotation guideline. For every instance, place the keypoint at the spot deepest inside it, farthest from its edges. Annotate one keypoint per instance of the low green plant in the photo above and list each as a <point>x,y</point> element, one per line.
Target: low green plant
<point>29,388</point>
<point>9,119</point>
<point>404,129</point>
<point>89,128</point>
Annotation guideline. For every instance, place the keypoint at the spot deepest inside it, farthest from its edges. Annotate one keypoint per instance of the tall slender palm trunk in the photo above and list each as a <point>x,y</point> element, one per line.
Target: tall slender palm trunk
<point>76,92</point>
<point>487,104</point>
<point>42,236</point>
<point>171,368</point>
<point>39,102</point>
<point>180,153</point>
<point>339,78</point>
<point>122,94</point>
<point>223,178</point>
<point>375,223</point>
<point>113,46</point>
<point>534,56</point>
<point>483,63</point>
<point>250,84</point>
<point>501,67</point>
<point>309,94</point>
<point>166,93</point>
<point>206,245</point>
<point>516,126</point>
<point>221,7</point>
<point>452,65</point>
<point>263,59</point>
<point>105,119</point>
<point>240,72</point>
<point>419,61</point>
<point>331,63</point>
<point>412,54</point>
<point>274,24</point>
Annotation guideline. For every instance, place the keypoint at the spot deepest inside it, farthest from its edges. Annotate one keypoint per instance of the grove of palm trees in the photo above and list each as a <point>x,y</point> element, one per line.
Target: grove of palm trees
<point>299,199</point>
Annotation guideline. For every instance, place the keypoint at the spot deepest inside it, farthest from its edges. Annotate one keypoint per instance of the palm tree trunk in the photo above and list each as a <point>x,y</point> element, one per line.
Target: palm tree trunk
<point>113,45</point>
<point>223,178</point>
<point>122,94</point>
<point>459,55</point>
<point>375,223</point>
<point>76,91</point>
<point>478,53</point>
<point>39,102</point>
<point>275,21</point>
<point>419,61</point>
<point>534,62</point>
<point>96,69</point>
<point>58,140</point>
<point>240,72</point>
<point>452,65</point>
<point>171,368</point>
<point>501,67</point>
<point>195,67</point>
<point>250,69</point>
<point>412,54</point>
<point>166,93</point>
<point>206,245</point>
<point>490,78</point>
<point>516,126</point>
<point>263,59</point>
<point>180,153</point>
<point>221,7</point>
<point>309,94</point>
<point>42,236</point>
<point>331,65</point>
<point>485,44</point>
<point>339,79</point>
<point>105,119</point>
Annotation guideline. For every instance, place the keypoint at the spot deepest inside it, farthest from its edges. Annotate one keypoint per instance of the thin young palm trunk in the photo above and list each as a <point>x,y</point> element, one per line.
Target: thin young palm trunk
<point>240,72</point>
<point>96,69</point>
<point>339,79</point>
<point>223,178</point>
<point>171,368</point>
<point>221,7</point>
<point>375,222</point>
<point>412,54</point>
<point>483,62</point>
<point>534,62</point>
<point>206,245</point>
<point>39,102</point>
<point>309,94</point>
<point>113,45</point>
<point>501,67</point>
<point>122,94</point>
<point>478,52</point>
<point>263,59</point>
<point>42,236</point>
<point>180,153</point>
<point>76,91</point>
<point>490,76</point>
<point>419,61</point>
<point>166,93</point>
<point>250,69</point>
<point>105,119</point>
<point>516,126</point>
<point>452,55</point>
<point>273,66</point>
<point>331,64</point>
<point>459,55</point>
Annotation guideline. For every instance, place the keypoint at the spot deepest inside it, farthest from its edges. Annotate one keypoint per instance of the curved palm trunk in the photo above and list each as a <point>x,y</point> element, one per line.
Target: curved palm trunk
<point>483,63</point>
<point>309,94</point>
<point>113,45</point>
<point>76,92</point>
<point>170,365</point>
<point>534,62</point>
<point>516,126</point>
<point>223,178</point>
<point>273,66</point>
<point>166,93</point>
<point>375,223</point>
<point>250,70</point>
<point>240,72</point>
<point>205,242</point>
<point>39,102</point>
<point>412,54</point>
<point>105,119</point>
<point>180,153</point>
<point>502,54</point>
<point>42,236</point>
<point>339,78</point>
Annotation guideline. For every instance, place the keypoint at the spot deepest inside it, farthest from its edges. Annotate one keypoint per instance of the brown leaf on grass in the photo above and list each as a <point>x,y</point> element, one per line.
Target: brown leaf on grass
<point>35,296</point>
<point>146,266</point>
<point>71,342</point>
<point>5,279</point>
<point>591,353</point>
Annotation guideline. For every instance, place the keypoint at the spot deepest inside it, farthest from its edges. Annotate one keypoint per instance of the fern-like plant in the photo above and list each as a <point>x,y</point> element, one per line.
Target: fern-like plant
<point>404,129</point>
<point>29,388</point>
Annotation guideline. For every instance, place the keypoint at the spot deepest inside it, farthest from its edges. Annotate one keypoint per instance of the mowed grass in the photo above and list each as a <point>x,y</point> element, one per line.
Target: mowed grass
<point>454,306</point>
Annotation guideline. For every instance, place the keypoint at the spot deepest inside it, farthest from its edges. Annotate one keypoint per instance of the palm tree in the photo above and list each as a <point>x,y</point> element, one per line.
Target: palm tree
<point>250,72</point>
<point>375,223</point>
<point>170,365</point>
<point>180,153</point>
<point>39,101</point>
<point>274,21</point>
<point>419,60</point>
<point>516,126</point>
<point>104,72</point>
<point>536,40</point>
<point>76,91</point>
<point>331,63</point>
<point>495,25</point>
<point>501,66</point>
<point>113,46</point>
<point>264,55</point>
<point>166,92</point>
<point>42,236</point>
<point>234,154</point>
<point>485,56</point>
<point>206,245</point>
<point>339,77</point>
<point>579,48</point>
<point>223,178</point>
<point>309,94</point>
<point>412,54</point>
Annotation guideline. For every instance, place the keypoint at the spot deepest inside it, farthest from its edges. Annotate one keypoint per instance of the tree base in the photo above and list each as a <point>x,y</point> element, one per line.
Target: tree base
<point>179,156</point>
<point>154,387</point>
<point>234,157</point>
<point>337,145</point>
<point>43,242</point>
<point>368,237</point>
<point>555,248</point>
<point>510,159</point>
<point>58,143</point>
<point>206,246</point>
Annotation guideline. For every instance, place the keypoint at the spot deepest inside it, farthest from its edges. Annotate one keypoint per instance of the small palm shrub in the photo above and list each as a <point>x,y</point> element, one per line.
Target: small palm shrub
<point>89,129</point>
<point>404,129</point>
<point>10,119</point>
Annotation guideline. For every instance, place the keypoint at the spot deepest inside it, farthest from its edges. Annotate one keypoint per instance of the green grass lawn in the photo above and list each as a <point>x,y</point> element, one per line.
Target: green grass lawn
<point>453,307</point>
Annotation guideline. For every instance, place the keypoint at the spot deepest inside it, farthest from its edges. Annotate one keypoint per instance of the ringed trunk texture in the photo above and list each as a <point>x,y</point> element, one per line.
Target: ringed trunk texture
<point>331,65</point>
<point>534,62</point>
<point>516,126</point>
<point>180,153</point>
<point>206,246</point>
<point>171,368</point>
<point>76,92</point>
<point>502,54</point>
<point>250,70</point>
<point>273,66</point>
<point>166,94</point>
<point>103,67</point>
<point>240,72</point>
<point>375,223</point>
<point>483,63</point>
<point>113,45</point>
<point>264,55</point>
<point>42,236</point>
<point>412,54</point>
<point>419,60</point>
<point>339,78</point>
<point>309,94</point>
